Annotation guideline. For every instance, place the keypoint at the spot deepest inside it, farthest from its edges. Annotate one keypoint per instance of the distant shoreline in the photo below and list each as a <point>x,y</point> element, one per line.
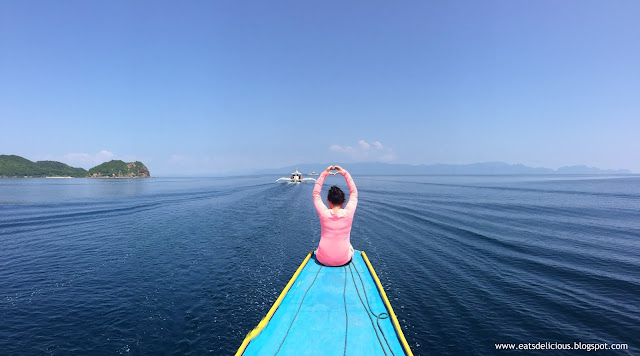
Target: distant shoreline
<point>33,177</point>
<point>12,166</point>
<point>485,168</point>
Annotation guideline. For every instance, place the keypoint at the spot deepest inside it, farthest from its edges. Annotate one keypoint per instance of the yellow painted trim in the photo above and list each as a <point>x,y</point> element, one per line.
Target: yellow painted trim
<point>394,319</point>
<point>263,323</point>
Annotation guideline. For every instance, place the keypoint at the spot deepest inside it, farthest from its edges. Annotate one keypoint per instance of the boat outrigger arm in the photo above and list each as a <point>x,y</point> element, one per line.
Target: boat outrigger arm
<point>295,177</point>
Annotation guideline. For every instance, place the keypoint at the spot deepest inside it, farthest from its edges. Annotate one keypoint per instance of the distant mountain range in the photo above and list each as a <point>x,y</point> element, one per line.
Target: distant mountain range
<point>487,168</point>
<point>16,166</point>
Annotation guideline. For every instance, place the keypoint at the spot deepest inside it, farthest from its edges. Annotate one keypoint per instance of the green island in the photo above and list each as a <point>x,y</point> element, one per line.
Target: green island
<point>12,166</point>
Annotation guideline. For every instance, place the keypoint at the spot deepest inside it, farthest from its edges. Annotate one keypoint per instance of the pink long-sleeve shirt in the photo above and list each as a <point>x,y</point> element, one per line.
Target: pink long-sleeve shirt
<point>335,237</point>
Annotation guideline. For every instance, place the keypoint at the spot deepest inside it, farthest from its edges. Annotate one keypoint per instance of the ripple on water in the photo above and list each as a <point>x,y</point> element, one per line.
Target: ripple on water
<point>189,266</point>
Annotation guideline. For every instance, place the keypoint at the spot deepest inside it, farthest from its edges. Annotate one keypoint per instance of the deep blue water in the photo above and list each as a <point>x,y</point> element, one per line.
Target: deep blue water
<point>190,265</point>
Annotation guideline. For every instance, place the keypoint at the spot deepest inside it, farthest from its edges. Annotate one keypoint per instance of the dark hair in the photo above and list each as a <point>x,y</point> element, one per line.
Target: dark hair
<point>335,196</point>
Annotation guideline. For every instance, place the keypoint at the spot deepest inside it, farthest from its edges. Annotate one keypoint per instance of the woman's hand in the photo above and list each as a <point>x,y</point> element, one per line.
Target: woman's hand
<point>334,168</point>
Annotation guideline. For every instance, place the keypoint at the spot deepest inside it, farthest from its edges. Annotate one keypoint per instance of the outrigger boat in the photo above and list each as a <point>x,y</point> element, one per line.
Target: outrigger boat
<point>295,178</point>
<point>329,311</point>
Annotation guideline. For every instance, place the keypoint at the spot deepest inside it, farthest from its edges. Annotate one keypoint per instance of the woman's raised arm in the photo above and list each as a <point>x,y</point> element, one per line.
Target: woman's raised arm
<point>353,191</point>
<point>317,199</point>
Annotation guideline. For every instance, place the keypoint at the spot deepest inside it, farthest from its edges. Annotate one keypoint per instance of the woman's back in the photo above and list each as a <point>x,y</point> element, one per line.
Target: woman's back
<point>335,248</point>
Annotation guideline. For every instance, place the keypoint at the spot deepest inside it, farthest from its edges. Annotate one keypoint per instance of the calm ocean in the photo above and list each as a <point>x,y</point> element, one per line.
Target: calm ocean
<point>188,266</point>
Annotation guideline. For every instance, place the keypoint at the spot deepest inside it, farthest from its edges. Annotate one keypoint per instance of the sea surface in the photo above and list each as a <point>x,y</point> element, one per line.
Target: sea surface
<point>188,266</point>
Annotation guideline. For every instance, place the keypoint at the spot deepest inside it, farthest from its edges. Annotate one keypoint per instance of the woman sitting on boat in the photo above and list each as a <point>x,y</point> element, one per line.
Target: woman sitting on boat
<point>335,222</point>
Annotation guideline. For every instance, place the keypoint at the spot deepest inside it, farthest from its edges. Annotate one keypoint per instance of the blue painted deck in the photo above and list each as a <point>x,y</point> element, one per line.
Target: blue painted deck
<point>312,319</point>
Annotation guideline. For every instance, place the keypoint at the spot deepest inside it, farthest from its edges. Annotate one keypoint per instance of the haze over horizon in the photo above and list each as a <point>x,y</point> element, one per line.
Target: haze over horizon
<point>218,87</point>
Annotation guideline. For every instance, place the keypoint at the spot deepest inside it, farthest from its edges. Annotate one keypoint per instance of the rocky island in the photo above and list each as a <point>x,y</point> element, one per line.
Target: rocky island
<point>12,166</point>
<point>119,169</point>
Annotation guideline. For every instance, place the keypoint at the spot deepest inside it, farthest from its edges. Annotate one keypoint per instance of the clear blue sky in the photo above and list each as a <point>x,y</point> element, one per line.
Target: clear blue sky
<point>210,87</point>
